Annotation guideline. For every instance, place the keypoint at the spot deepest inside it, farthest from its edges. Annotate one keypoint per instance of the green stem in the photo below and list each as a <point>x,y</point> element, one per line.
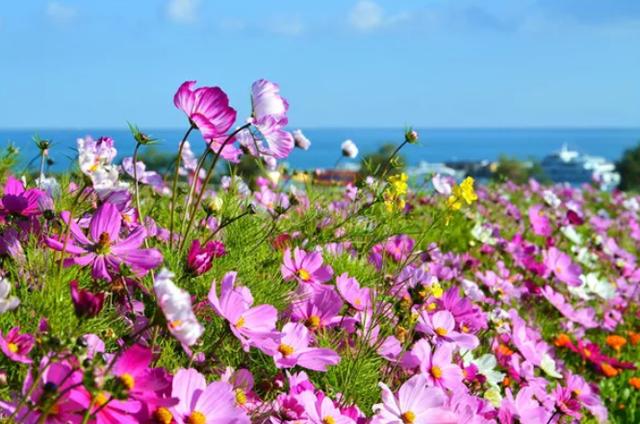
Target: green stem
<point>174,193</point>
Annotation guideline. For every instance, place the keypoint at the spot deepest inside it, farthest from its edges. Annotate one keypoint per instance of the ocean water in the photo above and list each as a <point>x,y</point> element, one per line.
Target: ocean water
<point>436,145</point>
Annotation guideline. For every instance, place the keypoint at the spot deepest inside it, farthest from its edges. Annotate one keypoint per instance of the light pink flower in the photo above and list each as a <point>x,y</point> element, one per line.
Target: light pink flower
<point>305,267</point>
<point>294,350</point>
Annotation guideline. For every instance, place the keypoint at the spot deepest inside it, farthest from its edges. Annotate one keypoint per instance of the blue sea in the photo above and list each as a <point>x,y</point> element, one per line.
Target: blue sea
<point>436,145</point>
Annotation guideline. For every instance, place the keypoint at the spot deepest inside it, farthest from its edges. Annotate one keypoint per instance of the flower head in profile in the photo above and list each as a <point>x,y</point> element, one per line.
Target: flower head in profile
<point>7,302</point>
<point>18,201</point>
<point>305,267</point>
<point>85,303</point>
<point>16,346</point>
<point>207,109</point>
<point>176,306</point>
<point>300,140</point>
<point>200,258</point>
<point>349,149</point>
<point>415,403</point>
<point>202,403</point>
<point>103,248</point>
<point>269,116</point>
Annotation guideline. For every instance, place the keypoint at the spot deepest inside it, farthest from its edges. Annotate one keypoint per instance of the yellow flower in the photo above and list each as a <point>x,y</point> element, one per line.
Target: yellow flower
<point>394,195</point>
<point>463,192</point>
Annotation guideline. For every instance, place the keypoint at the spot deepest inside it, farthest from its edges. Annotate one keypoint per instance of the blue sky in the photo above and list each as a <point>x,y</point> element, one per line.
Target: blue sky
<point>452,63</point>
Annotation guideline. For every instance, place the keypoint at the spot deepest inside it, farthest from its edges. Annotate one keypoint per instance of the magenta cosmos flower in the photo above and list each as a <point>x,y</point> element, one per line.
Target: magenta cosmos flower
<point>416,403</point>
<point>148,385</point>
<point>253,326</point>
<point>102,248</point>
<point>200,403</point>
<point>539,221</point>
<point>294,350</point>
<point>18,201</point>
<point>317,307</point>
<point>16,345</point>
<point>85,303</point>
<point>207,108</point>
<point>200,258</point>
<point>349,288</point>
<point>560,265</point>
<point>305,267</point>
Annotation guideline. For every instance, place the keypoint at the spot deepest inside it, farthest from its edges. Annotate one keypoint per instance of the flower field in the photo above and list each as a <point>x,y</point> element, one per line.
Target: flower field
<point>130,296</point>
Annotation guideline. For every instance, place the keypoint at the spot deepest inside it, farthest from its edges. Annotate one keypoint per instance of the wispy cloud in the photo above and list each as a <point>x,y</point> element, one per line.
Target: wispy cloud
<point>288,26</point>
<point>367,15</point>
<point>60,13</point>
<point>183,11</point>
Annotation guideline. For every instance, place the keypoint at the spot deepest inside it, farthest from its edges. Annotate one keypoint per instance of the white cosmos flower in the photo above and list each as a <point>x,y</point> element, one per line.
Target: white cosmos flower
<point>7,303</point>
<point>486,365</point>
<point>300,140</point>
<point>548,365</point>
<point>441,185</point>
<point>570,232</point>
<point>483,233</point>
<point>176,307</point>
<point>349,149</point>
<point>551,199</point>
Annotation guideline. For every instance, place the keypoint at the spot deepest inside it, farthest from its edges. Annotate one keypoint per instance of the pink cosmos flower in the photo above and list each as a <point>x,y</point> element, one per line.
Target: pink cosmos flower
<point>539,221</point>
<point>350,290</point>
<point>65,383</point>
<point>200,258</point>
<point>318,308</point>
<point>525,407</point>
<point>103,248</point>
<point>435,364</point>
<point>294,350</point>
<point>584,316</point>
<point>321,409</point>
<point>107,409</point>
<point>16,346</point>
<point>85,303</point>
<point>253,326</point>
<point>207,108</point>
<point>204,404</point>
<point>441,326</point>
<point>416,403</point>
<point>560,265</point>
<point>269,116</point>
<point>18,201</point>
<point>305,267</point>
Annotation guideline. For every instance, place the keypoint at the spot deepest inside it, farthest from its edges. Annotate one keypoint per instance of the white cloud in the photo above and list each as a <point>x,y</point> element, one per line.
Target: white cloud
<point>183,11</point>
<point>60,13</point>
<point>287,26</point>
<point>367,15</point>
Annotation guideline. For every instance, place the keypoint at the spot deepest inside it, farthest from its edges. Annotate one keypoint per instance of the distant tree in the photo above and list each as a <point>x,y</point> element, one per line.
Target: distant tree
<point>511,169</point>
<point>629,169</point>
<point>375,163</point>
<point>157,160</point>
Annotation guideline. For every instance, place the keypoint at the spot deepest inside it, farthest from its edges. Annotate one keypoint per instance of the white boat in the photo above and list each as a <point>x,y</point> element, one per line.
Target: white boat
<point>576,168</point>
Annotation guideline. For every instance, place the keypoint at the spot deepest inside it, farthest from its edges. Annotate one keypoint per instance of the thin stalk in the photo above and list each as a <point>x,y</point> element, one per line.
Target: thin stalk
<point>174,193</point>
<point>206,181</point>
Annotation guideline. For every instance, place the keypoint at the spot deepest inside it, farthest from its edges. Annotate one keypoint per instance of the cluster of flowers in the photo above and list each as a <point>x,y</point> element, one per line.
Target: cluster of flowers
<point>456,337</point>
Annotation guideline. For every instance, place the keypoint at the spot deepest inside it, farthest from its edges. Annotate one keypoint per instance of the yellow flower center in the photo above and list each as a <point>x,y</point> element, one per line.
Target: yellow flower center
<point>431,307</point>
<point>240,323</point>
<point>103,246</point>
<point>328,420</point>
<point>101,399</point>
<point>436,371</point>
<point>162,416</point>
<point>441,331</point>
<point>465,329</point>
<point>54,409</point>
<point>357,302</point>
<point>196,418</point>
<point>12,347</point>
<point>285,349</point>
<point>128,381</point>
<point>313,322</point>
<point>558,270</point>
<point>175,324</point>
<point>304,274</point>
<point>408,417</point>
<point>241,397</point>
